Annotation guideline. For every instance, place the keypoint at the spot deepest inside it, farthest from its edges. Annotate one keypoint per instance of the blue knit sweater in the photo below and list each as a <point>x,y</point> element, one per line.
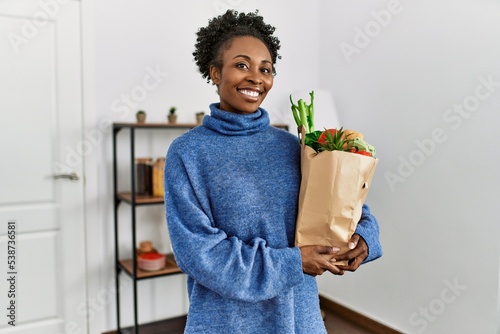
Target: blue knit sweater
<point>231,191</point>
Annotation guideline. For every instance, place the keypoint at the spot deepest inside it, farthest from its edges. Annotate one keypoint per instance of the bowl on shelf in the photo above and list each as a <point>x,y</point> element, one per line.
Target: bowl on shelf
<point>151,261</point>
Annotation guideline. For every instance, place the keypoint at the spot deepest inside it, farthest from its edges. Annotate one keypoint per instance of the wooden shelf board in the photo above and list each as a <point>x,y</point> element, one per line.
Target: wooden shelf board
<point>170,269</point>
<point>166,125</point>
<point>158,125</point>
<point>140,199</point>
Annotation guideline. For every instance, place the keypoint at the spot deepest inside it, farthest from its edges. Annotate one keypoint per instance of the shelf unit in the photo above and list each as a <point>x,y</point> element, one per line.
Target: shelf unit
<point>128,266</point>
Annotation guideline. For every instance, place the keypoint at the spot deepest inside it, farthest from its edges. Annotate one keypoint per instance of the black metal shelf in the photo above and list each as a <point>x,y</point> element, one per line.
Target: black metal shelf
<point>129,266</point>
<point>180,126</point>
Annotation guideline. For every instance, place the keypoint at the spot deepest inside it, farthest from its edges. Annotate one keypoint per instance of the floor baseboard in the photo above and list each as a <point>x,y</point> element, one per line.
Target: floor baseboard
<point>354,317</point>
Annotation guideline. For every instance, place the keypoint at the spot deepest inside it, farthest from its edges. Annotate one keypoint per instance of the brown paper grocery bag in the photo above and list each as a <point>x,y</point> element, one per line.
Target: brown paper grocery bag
<point>333,189</point>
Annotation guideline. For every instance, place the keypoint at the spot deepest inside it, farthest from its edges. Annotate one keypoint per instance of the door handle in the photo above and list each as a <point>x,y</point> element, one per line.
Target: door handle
<point>73,176</point>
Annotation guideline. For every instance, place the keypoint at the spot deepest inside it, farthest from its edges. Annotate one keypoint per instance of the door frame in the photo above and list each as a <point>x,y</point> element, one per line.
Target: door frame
<point>77,64</point>
<point>94,215</point>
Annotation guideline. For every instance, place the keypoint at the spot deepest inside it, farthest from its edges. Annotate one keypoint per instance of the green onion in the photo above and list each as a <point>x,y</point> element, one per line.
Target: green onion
<point>303,113</point>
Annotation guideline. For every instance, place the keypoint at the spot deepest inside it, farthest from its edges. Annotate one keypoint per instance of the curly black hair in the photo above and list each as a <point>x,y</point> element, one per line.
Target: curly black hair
<point>217,36</point>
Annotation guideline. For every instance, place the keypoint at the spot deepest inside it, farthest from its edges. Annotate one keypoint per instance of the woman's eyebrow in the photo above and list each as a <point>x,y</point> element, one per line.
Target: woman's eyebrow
<point>249,58</point>
<point>241,56</point>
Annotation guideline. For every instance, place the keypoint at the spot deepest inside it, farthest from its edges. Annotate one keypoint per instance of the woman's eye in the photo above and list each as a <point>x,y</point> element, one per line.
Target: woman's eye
<point>265,70</point>
<point>241,65</point>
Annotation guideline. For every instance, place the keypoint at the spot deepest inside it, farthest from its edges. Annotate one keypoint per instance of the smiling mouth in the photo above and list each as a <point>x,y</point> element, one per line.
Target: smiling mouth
<point>249,93</point>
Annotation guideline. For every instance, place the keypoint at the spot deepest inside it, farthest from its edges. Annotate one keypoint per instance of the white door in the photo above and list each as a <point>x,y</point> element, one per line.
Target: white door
<point>42,268</point>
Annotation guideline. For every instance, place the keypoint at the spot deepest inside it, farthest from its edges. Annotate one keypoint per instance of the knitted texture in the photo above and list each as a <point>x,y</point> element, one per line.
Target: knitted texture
<point>231,192</point>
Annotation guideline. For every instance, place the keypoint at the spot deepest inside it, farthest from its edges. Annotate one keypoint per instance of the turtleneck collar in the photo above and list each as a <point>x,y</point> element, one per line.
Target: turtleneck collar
<point>233,124</point>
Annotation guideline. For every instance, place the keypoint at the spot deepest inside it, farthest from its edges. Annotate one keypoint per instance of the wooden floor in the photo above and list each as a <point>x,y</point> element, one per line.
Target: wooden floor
<point>338,320</point>
<point>342,320</point>
<point>335,324</point>
<point>171,326</point>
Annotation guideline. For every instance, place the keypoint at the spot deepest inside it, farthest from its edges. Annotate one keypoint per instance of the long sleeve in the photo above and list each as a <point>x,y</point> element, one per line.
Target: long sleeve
<point>249,271</point>
<point>231,197</point>
<point>225,232</point>
<point>368,229</point>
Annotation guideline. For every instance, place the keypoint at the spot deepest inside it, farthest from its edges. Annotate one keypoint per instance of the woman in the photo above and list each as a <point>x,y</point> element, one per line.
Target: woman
<point>231,190</point>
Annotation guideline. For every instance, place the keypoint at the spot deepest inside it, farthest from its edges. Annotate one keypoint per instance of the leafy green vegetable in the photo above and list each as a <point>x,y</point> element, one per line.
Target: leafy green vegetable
<point>311,140</point>
<point>303,113</point>
<point>330,139</point>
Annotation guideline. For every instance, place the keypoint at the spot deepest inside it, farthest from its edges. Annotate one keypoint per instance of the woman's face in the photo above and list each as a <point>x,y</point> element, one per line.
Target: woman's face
<point>246,76</point>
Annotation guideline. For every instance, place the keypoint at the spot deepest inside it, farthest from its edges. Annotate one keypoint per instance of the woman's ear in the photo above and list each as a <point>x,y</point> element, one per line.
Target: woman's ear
<point>215,74</point>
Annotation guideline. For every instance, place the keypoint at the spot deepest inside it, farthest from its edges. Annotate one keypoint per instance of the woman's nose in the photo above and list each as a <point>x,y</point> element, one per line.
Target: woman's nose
<point>255,76</point>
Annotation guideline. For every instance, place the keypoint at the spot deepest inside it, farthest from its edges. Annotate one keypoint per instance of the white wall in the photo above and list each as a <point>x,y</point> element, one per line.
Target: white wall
<point>135,38</point>
<point>438,222</point>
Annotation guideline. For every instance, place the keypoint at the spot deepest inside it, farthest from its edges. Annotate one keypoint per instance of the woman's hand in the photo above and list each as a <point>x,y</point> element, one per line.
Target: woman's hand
<point>314,261</point>
<point>357,254</point>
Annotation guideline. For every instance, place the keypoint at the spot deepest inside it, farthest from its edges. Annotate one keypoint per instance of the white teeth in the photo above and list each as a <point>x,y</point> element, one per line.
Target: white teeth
<point>250,93</point>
